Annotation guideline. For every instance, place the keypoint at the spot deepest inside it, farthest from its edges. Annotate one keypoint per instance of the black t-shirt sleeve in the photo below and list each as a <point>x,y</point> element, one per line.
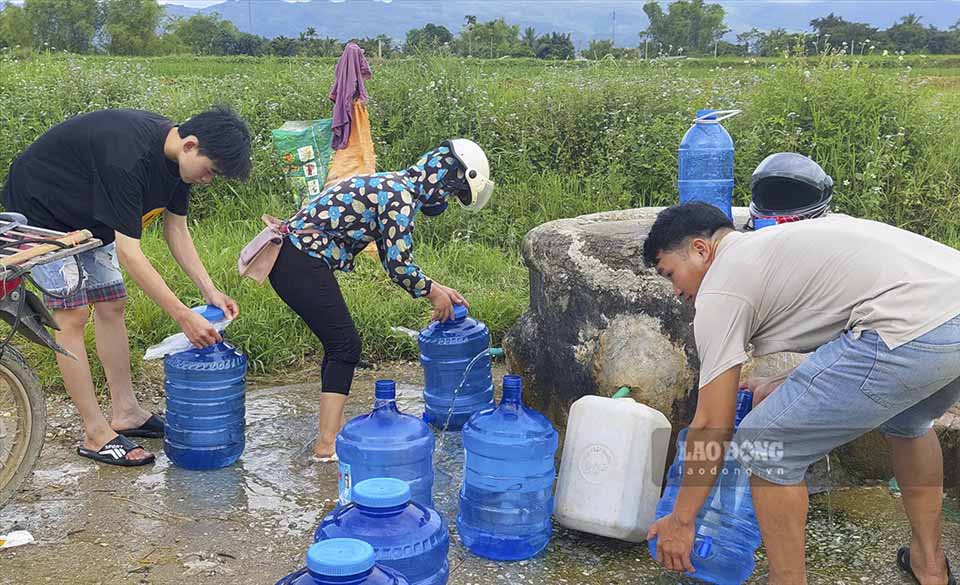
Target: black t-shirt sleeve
<point>180,201</point>
<point>119,201</point>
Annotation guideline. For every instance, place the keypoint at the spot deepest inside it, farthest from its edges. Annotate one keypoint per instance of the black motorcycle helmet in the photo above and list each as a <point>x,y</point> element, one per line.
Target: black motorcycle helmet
<point>786,187</point>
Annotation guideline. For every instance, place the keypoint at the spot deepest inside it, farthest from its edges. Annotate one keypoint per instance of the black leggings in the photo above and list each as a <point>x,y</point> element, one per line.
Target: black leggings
<point>307,285</point>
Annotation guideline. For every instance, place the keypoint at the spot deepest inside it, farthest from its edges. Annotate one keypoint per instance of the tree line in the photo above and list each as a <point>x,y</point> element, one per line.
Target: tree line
<point>687,27</point>
<point>140,27</point>
<point>693,27</point>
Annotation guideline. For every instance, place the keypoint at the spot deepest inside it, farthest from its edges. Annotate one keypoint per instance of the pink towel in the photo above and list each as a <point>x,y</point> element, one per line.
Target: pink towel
<point>352,69</point>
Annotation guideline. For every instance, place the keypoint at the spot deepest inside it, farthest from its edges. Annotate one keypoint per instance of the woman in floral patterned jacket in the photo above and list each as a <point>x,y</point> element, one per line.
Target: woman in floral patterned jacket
<point>333,227</point>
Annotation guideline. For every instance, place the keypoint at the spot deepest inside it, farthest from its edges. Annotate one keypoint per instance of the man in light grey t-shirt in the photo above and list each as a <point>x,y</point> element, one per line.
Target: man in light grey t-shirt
<point>880,310</point>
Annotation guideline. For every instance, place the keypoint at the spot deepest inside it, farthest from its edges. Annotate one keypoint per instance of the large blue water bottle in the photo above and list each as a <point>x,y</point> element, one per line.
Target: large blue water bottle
<point>727,533</point>
<point>205,391</point>
<point>343,561</point>
<point>706,162</point>
<point>405,536</point>
<point>386,443</point>
<point>446,349</point>
<point>507,495</point>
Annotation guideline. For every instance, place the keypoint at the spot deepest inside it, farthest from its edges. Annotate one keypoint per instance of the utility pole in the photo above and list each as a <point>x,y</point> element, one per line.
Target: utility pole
<point>250,16</point>
<point>613,37</point>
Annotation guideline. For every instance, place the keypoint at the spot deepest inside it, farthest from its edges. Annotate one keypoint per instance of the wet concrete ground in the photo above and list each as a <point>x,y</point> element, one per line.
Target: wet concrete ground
<point>252,523</point>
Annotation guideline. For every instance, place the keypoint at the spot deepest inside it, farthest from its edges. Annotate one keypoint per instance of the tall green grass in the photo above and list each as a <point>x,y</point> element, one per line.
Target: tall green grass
<point>563,139</point>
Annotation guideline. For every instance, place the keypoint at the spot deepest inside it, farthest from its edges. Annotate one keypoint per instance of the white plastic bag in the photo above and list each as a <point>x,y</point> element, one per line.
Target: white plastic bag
<point>178,342</point>
<point>16,538</point>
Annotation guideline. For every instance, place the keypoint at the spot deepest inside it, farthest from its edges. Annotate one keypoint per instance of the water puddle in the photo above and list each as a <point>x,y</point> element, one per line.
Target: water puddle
<point>256,518</point>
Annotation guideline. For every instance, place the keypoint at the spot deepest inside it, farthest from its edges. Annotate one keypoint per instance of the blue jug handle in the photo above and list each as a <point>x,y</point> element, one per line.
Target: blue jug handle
<point>341,510</point>
<point>703,547</point>
<point>223,344</point>
<point>716,116</point>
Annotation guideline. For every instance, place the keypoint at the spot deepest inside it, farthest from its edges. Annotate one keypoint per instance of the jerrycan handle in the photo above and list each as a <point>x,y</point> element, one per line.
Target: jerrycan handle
<point>715,116</point>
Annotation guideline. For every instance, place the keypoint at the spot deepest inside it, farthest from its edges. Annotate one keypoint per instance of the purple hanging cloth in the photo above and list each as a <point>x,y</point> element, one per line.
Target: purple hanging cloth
<point>352,69</point>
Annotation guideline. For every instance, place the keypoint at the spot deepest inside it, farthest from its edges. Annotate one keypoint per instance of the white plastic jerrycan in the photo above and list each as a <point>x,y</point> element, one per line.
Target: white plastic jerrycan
<point>612,467</point>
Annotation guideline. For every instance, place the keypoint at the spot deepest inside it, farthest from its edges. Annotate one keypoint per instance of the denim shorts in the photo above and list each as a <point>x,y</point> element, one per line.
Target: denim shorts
<point>99,274</point>
<point>846,388</point>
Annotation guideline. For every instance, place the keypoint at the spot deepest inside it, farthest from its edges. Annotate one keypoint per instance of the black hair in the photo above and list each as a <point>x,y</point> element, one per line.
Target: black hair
<point>677,223</point>
<point>223,137</point>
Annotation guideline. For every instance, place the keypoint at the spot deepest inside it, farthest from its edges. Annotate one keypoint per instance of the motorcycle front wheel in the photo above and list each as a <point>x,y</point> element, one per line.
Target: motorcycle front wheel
<point>23,416</point>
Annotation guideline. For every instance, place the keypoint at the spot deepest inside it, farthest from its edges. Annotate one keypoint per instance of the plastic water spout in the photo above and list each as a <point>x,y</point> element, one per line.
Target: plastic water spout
<point>405,330</point>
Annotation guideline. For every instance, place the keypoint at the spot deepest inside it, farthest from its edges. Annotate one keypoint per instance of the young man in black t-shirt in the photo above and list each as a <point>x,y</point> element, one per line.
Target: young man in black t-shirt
<point>113,172</point>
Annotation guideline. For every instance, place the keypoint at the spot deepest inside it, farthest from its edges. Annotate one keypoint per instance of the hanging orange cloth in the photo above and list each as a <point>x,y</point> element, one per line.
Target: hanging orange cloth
<point>358,158</point>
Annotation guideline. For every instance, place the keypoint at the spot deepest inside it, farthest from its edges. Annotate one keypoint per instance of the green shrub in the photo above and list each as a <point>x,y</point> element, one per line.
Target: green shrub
<point>563,139</point>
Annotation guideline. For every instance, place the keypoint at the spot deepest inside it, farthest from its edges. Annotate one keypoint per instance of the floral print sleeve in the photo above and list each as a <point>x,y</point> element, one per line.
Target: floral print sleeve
<point>395,218</point>
<point>338,223</point>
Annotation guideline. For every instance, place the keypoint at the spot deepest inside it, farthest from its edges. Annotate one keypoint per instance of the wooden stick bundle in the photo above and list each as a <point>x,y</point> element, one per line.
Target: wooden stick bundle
<point>71,239</point>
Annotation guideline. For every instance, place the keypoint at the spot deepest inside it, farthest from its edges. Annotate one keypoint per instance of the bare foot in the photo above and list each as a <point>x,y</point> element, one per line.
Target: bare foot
<point>929,571</point>
<point>324,449</point>
<point>129,420</point>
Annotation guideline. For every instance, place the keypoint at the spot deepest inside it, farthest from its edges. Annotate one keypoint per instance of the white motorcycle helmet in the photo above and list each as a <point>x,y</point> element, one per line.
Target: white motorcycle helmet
<point>476,171</point>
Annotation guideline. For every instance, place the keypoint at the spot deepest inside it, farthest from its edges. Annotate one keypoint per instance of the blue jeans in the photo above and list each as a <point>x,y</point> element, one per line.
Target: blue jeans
<point>99,275</point>
<point>846,388</point>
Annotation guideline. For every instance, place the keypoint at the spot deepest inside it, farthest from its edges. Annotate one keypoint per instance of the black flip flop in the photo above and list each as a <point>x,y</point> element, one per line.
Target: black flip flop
<point>151,429</point>
<point>903,561</point>
<point>115,453</point>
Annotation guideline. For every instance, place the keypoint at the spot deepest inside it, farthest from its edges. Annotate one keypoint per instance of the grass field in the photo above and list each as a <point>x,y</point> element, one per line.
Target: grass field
<point>563,139</point>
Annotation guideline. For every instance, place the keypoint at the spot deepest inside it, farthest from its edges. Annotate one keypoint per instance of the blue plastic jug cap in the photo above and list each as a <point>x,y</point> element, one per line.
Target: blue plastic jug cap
<point>381,492</point>
<point>460,312</point>
<point>340,557</point>
<point>385,390</point>
<point>210,313</point>
<point>707,114</point>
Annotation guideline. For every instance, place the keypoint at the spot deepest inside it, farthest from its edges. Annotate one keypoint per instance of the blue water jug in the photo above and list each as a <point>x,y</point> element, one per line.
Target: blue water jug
<point>205,391</point>
<point>446,349</point>
<point>408,537</point>
<point>507,495</point>
<point>343,561</point>
<point>386,443</point>
<point>706,162</point>
<point>727,533</point>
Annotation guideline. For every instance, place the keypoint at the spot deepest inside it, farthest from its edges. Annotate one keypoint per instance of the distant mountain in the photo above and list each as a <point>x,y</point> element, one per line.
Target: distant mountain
<point>585,19</point>
<point>178,10</point>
